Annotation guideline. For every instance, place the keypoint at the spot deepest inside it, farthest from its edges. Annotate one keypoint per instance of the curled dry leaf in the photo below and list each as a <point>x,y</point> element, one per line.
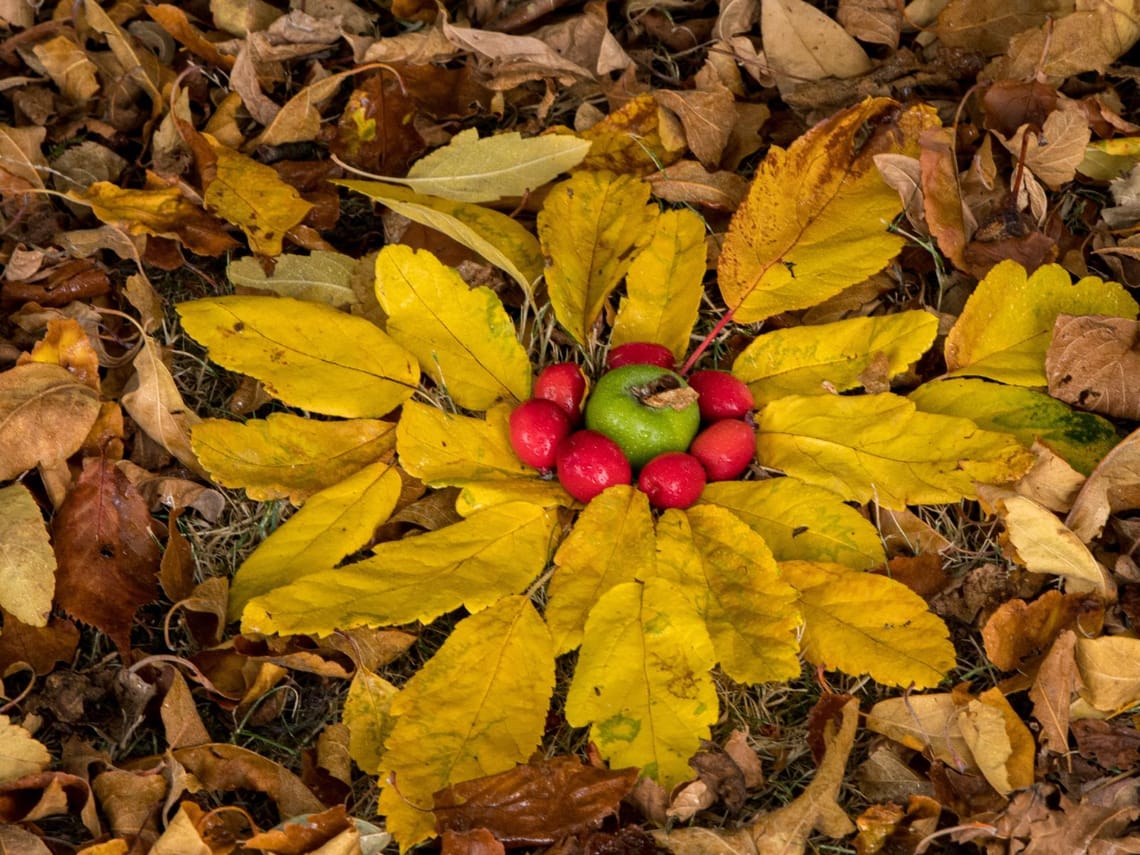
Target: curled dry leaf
<point>1112,487</point>
<point>45,414</point>
<point>1093,363</point>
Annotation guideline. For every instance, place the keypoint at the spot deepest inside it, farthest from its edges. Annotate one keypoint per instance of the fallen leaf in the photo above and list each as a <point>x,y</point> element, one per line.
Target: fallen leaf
<point>229,767</point>
<point>1112,487</point>
<point>927,723</point>
<point>1018,633</point>
<point>1092,363</point>
<point>802,44</point>
<point>689,182</point>
<point>875,21</point>
<point>45,415</point>
<point>446,449</point>
<point>20,754</point>
<point>706,116</point>
<point>1052,690</point>
<point>107,551</point>
<point>987,26</point>
<point>946,213</point>
<point>1001,744</point>
<point>40,648</point>
<point>320,277</point>
<point>632,140</point>
<point>1055,150</point>
<point>27,562</point>
<point>1110,671</point>
<point>65,343</point>
<point>534,804</point>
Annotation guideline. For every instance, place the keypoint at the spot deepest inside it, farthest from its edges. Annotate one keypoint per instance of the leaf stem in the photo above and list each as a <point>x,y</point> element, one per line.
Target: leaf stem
<point>725,320</point>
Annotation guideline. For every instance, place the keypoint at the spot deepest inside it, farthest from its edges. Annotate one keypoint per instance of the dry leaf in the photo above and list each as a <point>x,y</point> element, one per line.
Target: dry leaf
<point>1112,487</point>
<point>1052,689</point>
<point>802,44</point>
<point>1093,362</point>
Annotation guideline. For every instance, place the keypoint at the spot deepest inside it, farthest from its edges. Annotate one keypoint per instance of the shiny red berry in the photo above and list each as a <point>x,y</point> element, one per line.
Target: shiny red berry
<point>672,480</point>
<point>538,427</point>
<point>564,384</point>
<point>725,448</point>
<point>640,353</point>
<point>722,396</point>
<point>589,462</point>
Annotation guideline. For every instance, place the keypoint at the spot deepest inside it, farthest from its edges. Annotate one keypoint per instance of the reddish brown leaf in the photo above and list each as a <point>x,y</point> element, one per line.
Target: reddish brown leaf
<point>229,767</point>
<point>1009,104</point>
<point>534,804</point>
<point>107,551</point>
<point>298,838</point>
<point>376,132</point>
<point>1019,632</point>
<point>477,841</point>
<point>1113,745</point>
<point>1052,691</point>
<point>949,220</point>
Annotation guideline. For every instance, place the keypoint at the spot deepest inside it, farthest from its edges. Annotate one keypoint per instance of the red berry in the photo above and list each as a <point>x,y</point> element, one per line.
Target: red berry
<point>588,462</point>
<point>672,480</point>
<point>723,396</point>
<point>640,353</point>
<point>725,448</point>
<point>537,428</point>
<point>564,384</point>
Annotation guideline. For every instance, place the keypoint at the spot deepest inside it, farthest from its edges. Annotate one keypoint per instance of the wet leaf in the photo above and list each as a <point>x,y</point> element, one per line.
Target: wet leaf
<point>306,354</point>
<point>462,337</point>
<point>815,220</point>
<point>476,708</point>
<point>45,414</point>
<point>492,553</point>
<point>642,681</point>
<point>333,524</point>
<point>27,563</point>
<point>611,543</point>
<point>107,551</point>
<point>880,447</point>
<point>818,360</point>
<point>1004,331</point>
<point>866,623</point>
<point>591,227</point>
<point>286,456</point>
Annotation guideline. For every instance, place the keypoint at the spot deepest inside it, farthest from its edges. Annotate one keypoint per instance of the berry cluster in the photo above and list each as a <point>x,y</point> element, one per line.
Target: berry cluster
<point>640,416</point>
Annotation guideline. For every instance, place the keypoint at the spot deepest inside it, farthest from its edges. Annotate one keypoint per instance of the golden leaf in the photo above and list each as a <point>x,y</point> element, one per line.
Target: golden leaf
<point>445,449</point>
<point>45,414</point>
<point>27,561</point>
<point>306,354</point>
<point>366,711</point>
<point>816,217</point>
<point>642,683</point>
<point>476,708</point>
<point>461,336</point>
<point>1001,744</point>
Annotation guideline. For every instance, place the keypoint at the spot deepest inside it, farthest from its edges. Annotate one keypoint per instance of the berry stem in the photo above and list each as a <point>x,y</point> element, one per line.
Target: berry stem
<point>725,320</point>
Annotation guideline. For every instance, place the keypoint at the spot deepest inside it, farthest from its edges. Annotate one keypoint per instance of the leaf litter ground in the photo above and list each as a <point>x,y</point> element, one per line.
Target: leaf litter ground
<point>282,699</point>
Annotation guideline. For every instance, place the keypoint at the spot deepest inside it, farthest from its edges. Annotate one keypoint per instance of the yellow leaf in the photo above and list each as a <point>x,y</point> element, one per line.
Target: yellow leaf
<point>612,542</point>
<point>642,681</point>
<point>816,360</point>
<point>27,561</point>
<point>286,456</point>
<point>1007,324</point>
<point>461,336</point>
<point>320,277</point>
<point>478,707</point>
<point>367,713</point>
<point>469,169</point>
<point>925,723</point>
<point>20,754</point>
<point>1110,672</point>
<point>816,217</point>
<point>502,241</point>
<point>306,354</point>
<point>1001,744</point>
<point>492,553</point>
<point>158,211</point>
<point>253,197</point>
<point>445,449</point>
<point>663,286</point>
<point>1043,544</point>
<point>880,447</point>
<point>863,623</point>
<point>590,228</point>
<point>801,521</point>
<point>729,574</point>
<point>66,344</point>
<point>1083,439</point>
<point>483,494</point>
<point>333,523</point>
<point>630,140</point>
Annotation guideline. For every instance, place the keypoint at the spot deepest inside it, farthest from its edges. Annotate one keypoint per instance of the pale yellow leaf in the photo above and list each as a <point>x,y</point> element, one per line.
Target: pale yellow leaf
<point>470,169</point>
<point>286,456</point>
<point>802,44</point>
<point>476,495</point>
<point>462,337</point>
<point>663,286</point>
<point>1113,486</point>
<point>591,227</point>
<point>1004,331</point>
<point>1043,544</point>
<point>801,521</point>
<point>731,577</point>
<point>612,542</point>
<point>642,682</point>
<point>445,449</point>
<point>502,241</point>
<point>863,623</point>
<point>307,354</point>
<point>817,215</point>
<point>818,360</point>
<point>880,447</point>
<point>1110,671</point>
<point>27,561</point>
<point>1001,744</point>
<point>476,708</point>
<point>333,524</point>
<point>320,277</point>
<point>492,553</point>
<point>367,712</point>
<point>45,414</point>
<point>20,754</point>
<point>925,723</point>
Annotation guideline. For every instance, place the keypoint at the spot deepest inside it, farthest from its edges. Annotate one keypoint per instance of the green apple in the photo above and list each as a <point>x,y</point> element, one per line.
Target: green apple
<point>646,409</point>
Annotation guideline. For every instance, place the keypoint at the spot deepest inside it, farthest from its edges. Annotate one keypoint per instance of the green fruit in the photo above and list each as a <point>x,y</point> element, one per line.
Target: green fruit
<point>646,409</point>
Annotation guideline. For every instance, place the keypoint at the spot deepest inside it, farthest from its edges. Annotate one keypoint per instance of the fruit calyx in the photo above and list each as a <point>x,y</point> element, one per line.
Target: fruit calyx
<point>665,391</point>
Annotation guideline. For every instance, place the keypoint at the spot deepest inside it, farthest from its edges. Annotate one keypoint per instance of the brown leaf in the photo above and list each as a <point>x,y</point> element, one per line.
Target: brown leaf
<point>299,838</point>
<point>42,795</point>
<point>689,182</point>
<point>132,802</point>
<point>745,757</point>
<point>1112,487</point>
<point>922,573</point>
<point>875,21</point>
<point>39,647</point>
<point>1111,744</point>
<point>988,25</point>
<point>477,841</point>
<point>1052,692</point>
<point>45,414</point>
<point>1019,632</point>
<point>1053,152</point>
<point>1093,362</point>
<point>538,803</point>
<point>947,216</point>
<point>107,551</point>
<point>375,131</point>
<point>229,767</point>
<point>707,118</point>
